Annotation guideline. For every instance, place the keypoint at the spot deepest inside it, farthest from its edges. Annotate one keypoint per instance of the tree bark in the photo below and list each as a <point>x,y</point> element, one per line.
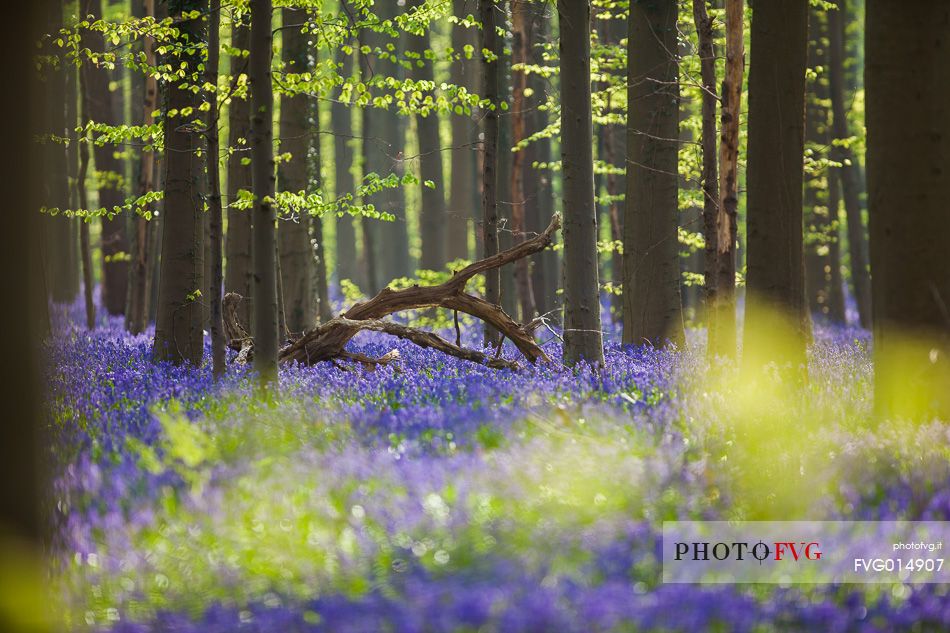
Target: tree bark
<point>521,170</point>
<point>264,238</point>
<point>776,318</point>
<point>85,251</point>
<point>651,284</point>
<point>383,145</point>
<point>108,167</point>
<point>463,197</point>
<point>139,276</point>
<point>238,242</point>
<point>61,267</point>
<point>341,122</point>
<point>907,79</point>
<point>582,329</point>
<point>850,172</point>
<point>710,172</point>
<point>433,217</point>
<point>296,254</point>
<point>178,329</point>
<point>539,190</point>
<point>72,167</point>
<point>216,283</point>
<point>723,313</point>
<point>490,80</point>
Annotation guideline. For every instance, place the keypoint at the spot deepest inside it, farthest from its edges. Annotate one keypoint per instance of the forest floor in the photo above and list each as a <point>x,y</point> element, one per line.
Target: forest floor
<point>438,495</point>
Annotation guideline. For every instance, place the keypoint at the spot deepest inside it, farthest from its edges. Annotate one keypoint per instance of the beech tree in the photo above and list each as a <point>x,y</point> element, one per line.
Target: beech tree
<point>849,173</point>
<point>463,195</point>
<point>264,234</point>
<point>109,174</point>
<point>179,326</point>
<point>582,328</point>
<point>651,281</point>
<point>775,271</point>
<point>490,80</point>
<point>908,122</point>
<point>432,217</point>
<point>297,263</point>
<point>238,242</point>
<point>344,155</point>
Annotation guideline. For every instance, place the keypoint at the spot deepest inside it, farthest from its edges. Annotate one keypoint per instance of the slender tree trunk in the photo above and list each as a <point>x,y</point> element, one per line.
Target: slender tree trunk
<point>178,328</point>
<point>72,167</point>
<point>539,190</point>
<point>907,79</point>
<point>296,253</point>
<point>651,285</point>
<point>58,230</point>
<point>582,330</point>
<point>85,250</point>
<point>114,241</point>
<point>850,172</point>
<point>521,170</point>
<point>463,197</point>
<point>710,172</point>
<point>341,121</point>
<point>433,217</point>
<point>509,293</point>
<point>140,275</point>
<point>615,155</point>
<point>383,142</point>
<point>318,260</point>
<point>490,78</point>
<point>238,243</point>
<point>216,285</point>
<point>264,242</point>
<point>776,319</point>
<point>723,312</point>
<point>836,310</point>
<point>813,212</point>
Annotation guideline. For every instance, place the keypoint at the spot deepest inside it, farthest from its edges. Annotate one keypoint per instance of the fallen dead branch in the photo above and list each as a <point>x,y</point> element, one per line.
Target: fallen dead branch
<point>327,341</point>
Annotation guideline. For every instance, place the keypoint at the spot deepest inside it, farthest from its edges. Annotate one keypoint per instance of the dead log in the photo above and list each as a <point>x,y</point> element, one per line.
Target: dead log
<point>327,341</point>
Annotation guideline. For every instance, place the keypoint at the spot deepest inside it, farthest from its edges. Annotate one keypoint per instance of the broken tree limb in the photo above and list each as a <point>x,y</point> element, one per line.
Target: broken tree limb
<point>327,341</point>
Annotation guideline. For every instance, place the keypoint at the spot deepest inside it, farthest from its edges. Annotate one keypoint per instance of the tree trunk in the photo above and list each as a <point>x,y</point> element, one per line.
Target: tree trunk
<point>140,277</point>
<point>264,238</point>
<point>722,317</point>
<point>463,197</point>
<point>521,170</point>
<point>178,328</point>
<point>60,267</point>
<point>651,284</point>
<point>907,79</point>
<point>296,253</point>
<point>238,242</point>
<point>814,212</point>
<point>539,189</point>
<point>509,293</point>
<point>85,250</point>
<point>216,284</point>
<point>341,122</point>
<point>319,282</point>
<point>615,155</point>
<point>24,449</point>
<point>582,330</point>
<point>490,79</point>
<point>432,219</point>
<point>387,244</point>
<point>836,310</point>
<point>108,168</point>
<point>776,319</point>
<point>850,172</point>
<point>72,167</point>
<point>710,173</point>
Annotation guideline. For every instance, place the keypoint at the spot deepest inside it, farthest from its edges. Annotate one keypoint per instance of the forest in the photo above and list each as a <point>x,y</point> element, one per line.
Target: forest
<point>457,316</point>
